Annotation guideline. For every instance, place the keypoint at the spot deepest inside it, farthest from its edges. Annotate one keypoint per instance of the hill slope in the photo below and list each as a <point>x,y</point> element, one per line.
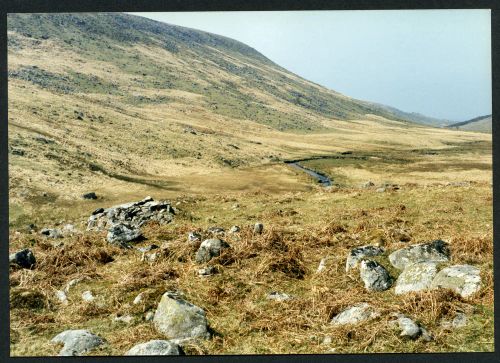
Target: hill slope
<point>479,124</point>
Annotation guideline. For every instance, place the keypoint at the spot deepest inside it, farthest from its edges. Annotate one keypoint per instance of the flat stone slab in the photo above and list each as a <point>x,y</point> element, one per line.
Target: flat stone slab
<point>358,253</point>
<point>355,314</point>
<point>463,279</point>
<point>77,342</point>
<point>435,251</point>
<point>416,277</point>
<point>155,347</point>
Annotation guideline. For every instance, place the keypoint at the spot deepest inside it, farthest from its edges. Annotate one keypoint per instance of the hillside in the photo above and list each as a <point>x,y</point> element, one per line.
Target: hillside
<point>478,124</point>
<point>226,144</point>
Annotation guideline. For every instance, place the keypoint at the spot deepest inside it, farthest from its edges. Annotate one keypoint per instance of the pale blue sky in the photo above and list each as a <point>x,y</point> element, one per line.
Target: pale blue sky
<point>436,62</point>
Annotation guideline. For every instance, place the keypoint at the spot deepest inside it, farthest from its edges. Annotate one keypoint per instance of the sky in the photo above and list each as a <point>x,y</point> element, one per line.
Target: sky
<point>435,62</point>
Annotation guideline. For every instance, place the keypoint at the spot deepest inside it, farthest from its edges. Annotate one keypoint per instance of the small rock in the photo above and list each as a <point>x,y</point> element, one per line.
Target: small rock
<point>375,276</point>
<point>194,237</point>
<point>235,206</point>
<point>359,253</point>
<point>234,229</point>
<point>435,251</point>
<point>355,314</point>
<point>77,342</point>
<point>367,184</point>
<point>278,296</point>
<point>321,266</point>
<point>90,195</point>
<point>216,230</point>
<point>62,297</point>
<point>207,271</point>
<point>24,258</point>
<point>380,190</point>
<point>51,233</point>
<point>73,282</point>
<point>327,340</point>
<point>409,329</point>
<point>177,318</point>
<point>138,299</point>
<point>416,277</point>
<point>459,321</point>
<point>87,296</point>
<point>155,347</point>
<point>258,228</point>
<point>463,279</point>
<point>147,248</point>
<point>149,315</point>
<point>425,335</point>
<point>210,248</point>
<point>126,319</point>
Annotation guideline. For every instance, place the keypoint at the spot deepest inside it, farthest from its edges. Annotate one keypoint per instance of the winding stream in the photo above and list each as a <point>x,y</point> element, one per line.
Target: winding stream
<point>322,179</point>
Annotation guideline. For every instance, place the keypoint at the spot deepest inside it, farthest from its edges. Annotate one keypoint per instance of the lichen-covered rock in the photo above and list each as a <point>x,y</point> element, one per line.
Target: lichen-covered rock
<point>155,347</point>
<point>416,277</point>
<point>409,329</point>
<point>435,251</point>
<point>194,237</point>
<point>177,318</point>
<point>375,276</point>
<point>24,258</point>
<point>463,279</point>
<point>121,234</point>
<point>77,342</point>
<point>355,314</point>
<point>51,232</point>
<point>209,249</point>
<point>134,214</point>
<point>358,253</point>
<point>258,228</point>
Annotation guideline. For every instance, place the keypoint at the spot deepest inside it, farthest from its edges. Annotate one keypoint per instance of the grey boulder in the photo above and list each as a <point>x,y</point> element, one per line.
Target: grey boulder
<point>155,347</point>
<point>463,279</point>
<point>359,253</point>
<point>416,277</point>
<point>179,319</point>
<point>375,276</point>
<point>435,251</point>
<point>51,232</point>
<point>24,258</point>
<point>77,342</point>
<point>209,249</point>
<point>258,228</point>
<point>121,234</point>
<point>355,314</point>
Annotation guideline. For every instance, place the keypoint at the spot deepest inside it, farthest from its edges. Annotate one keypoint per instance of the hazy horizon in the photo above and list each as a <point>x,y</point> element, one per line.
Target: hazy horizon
<point>433,62</point>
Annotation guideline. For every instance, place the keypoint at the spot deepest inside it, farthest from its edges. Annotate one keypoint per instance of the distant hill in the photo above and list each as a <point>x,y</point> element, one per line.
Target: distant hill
<point>415,117</point>
<point>478,124</point>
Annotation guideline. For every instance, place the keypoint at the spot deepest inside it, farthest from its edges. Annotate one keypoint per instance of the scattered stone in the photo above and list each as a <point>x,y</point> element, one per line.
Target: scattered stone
<point>327,340</point>
<point>375,276</point>
<point>321,266</point>
<point>149,316</point>
<point>24,258</point>
<point>155,347</point>
<point>409,329</point>
<point>73,282</point>
<point>147,248</point>
<point>51,233</point>
<point>258,228</point>
<point>150,257</point>
<point>121,234</point>
<point>77,342</point>
<point>177,318</point>
<point>138,299</point>
<point>367,184</point>
<point>463,279</point>
<point>459,321</point>
<point>126,319</point>
<point>234,229</point>
<point>355,314</point>
<point>425,335</point>
<point>87,296</point>
<point>416,277</point>
<point>278,296</point>
<point>134,214</point>
<point>359,253</point>
<point>235,206</point>
<point>380,190</point>
<point>207,271</point>
<point>435,251</point>
<point>90,195</point>
<point>194,237</point>
<point>69,230</point>
<point>62,297</point>
<point>216,230</point>
<point>210,248</point>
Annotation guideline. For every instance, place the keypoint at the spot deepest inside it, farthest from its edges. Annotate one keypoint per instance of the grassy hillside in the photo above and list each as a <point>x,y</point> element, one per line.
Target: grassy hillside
<point>128,107</point>
<point>478,124</point>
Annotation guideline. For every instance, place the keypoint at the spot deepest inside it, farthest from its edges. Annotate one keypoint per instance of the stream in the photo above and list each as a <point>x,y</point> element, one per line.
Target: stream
<point>322,179</point>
